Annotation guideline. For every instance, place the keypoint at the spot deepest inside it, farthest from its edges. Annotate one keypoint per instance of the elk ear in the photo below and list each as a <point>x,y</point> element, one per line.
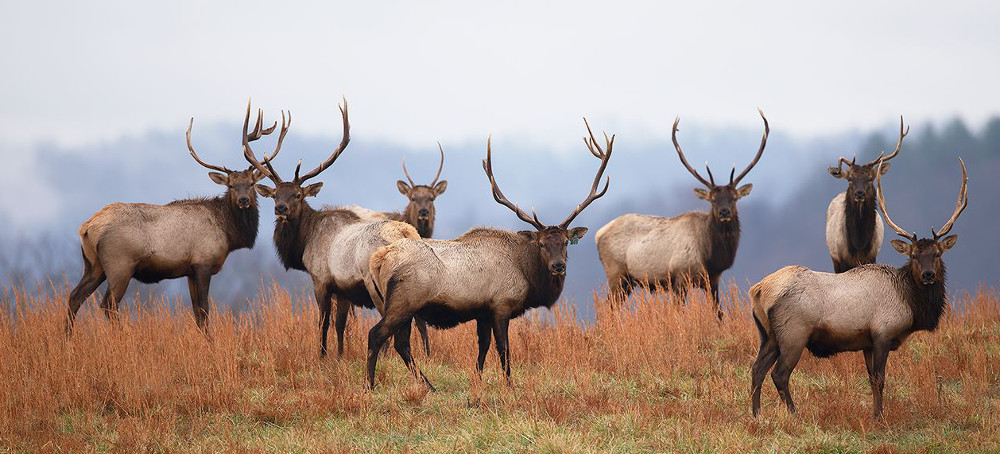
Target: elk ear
<point>576,234</point>
<point>403,187</point>
<point>948,242</point>
<point>527,234</point>
<point>901,246</point>
<point>219,178</point>
<point>265,191</point>
<point>836,172</point>
<point>744,190</point>
<point>440,187</point>
<point>702,194</point>
<point>312,190</point>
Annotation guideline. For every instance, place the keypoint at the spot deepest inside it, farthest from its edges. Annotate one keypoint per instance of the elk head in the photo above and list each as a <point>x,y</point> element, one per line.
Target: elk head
<point>289,196</point>
<point>422,197</point>
<point>239,183</point>
<point>861,177</point>
<point>723,198</point>
<point>552,240</point>
<point>925,254</point>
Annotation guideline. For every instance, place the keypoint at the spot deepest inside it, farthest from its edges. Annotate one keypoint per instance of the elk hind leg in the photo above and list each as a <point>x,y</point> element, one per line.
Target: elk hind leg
<point>93,277</point>
<point>788,358</point>
<point>422,330</point>
<point>377,336</point>
<point>401,340</point>
<point>117,286</point>
<point>766,357</point>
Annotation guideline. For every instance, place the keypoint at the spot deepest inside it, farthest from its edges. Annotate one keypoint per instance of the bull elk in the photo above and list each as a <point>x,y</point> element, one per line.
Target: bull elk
<point>695,247</point>
<point>853,227</point>
<point>190,237</point>
<point>487,275</point>
<point>873,308</point>
<point>332,245</point>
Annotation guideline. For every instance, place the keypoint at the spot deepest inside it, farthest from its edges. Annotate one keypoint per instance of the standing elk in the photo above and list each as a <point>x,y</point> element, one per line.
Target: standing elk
<point>873,308</point>
<point>190,237</point>
<point>487,275</point>
<point>332,245</point>
<point>695,247</point>
<point>853,227</point>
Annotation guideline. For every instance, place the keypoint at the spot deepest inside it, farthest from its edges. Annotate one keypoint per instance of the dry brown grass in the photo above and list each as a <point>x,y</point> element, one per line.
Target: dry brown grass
<point>651,376</point>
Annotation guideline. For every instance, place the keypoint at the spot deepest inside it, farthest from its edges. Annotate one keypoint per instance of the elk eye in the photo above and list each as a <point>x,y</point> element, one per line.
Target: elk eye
<point>298,196</point>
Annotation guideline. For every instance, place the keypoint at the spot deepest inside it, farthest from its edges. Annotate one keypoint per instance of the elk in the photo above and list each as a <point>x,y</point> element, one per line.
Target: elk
<point>332,245</point>
<point>853,227</point>
<point>487,275</point>
<point>873,308</point>
<point>190,237</point>
<point>695,247</point>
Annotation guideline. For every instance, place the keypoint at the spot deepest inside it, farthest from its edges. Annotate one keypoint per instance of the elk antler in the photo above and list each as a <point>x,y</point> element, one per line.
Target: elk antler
<point>498,195</point>
<point>881,202</point>
<point>266,168</point>
<point>899,144</point>
<point>258,132</point>
<point>336,153</point>
<point>963,201</point>
<point>595,150</point>
<point>763,142</point>
<point>684,161</point>
<point>195,155</point>
<point>435,176</point>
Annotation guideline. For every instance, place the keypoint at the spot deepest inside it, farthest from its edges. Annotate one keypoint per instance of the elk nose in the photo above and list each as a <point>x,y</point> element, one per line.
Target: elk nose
<point>280,209</point>
<point>244,201</point>
<point>424,212</point>
<point>559,267</point>
<point>859,195</point>
<point>927,276</point>
<point>725,212</point>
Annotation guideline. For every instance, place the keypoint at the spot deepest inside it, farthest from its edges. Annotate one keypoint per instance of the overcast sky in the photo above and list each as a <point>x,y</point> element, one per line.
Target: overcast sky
<point>417,72</point>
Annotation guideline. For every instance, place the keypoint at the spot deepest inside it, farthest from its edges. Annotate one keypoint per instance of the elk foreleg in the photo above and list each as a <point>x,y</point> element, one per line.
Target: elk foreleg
<point>198,285</point>
<point>500,327</point>
<point>880,355</point>
<point>713,283</point>
<point>340,321</point>
<point>323,295</point>
<point>484,328</point>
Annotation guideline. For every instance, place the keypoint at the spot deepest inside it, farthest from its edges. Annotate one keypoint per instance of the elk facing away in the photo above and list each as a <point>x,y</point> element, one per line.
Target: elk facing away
<point>873,308</point>
<point>694,247</point>
<point>189,237</point>
<point>332,245</point>
<point>487,275</point>
<point>853,227</point>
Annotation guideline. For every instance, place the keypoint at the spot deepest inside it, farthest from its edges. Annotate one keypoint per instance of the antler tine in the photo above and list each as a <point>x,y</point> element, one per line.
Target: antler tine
<point>407,174</point>
<point>594,194</point>
<point>684,161</point>
<point>963,201</point>
<point>760,151</point>
<point>498,195</point>
<point>440,167</point>
<point>899,143</point>
<point>195,155</point>
<point>711,178</point>
<point>336,153</point>
<point>267,171</point>
<point>881,202</point>
<point>592,145</point>
<point>258,130</point>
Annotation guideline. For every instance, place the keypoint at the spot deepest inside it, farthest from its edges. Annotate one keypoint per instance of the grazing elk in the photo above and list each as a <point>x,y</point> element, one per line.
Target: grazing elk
<point>853,227</point>
<point>487,275</point>
<point>694,247</point>
<point>873,308</point>
<point>332,245</point>
<point>191,237</point>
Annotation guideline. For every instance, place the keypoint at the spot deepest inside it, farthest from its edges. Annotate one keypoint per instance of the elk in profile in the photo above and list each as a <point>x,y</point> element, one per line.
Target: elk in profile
<point>873,308</point>
<point>332,245</point>
<point>487,275</point>
<point>695,247</point>
<point>191,237</point>
<point>853,227</point>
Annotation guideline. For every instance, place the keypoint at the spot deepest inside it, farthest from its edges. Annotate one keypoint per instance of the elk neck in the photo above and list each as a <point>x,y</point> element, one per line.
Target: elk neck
<point>240,225</point>
<point>860,224</point>
<point>724,239</point>
<point>927,302</point>
<point>544,287</point>
<point>425,227</point>
<point>293,234</point>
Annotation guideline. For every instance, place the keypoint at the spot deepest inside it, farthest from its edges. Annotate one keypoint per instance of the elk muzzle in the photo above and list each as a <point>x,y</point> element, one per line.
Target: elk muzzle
<point>243,203</point>
<point>558,268</point>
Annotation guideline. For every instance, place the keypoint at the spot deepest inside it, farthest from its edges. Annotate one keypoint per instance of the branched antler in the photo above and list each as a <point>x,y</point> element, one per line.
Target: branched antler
<point>604,156</point>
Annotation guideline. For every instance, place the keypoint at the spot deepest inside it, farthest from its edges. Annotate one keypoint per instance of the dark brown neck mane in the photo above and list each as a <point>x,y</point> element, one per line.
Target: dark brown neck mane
<point>292,235</point>
<point>239,225</point>
<point>544,287</point>
<point>724,239</point>
<point>927,302</point>
<point>409,216</point>
<point>860,225</point>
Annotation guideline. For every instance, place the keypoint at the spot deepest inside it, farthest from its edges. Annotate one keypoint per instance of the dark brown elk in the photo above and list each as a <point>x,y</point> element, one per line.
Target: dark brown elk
<point>854,229</point>
<point>191,237</point>
<point>873,308</point>
<point>672,253</point>
<point>332,245</point>
<point>487,275</point>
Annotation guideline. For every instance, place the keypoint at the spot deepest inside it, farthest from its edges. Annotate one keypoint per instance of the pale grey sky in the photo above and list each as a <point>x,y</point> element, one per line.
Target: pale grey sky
<point>417,72</point>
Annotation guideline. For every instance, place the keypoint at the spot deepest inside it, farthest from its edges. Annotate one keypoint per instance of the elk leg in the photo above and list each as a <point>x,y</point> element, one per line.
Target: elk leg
<point>766,357</point>
<point>401,340</point>
<point>868,366</point>
<point>199,297</point>
<point>340,322</point>
<point>500,327</point>
<point>840,267</point>
<point>483,330</point>
<point>714,287</point>
<point>376,339</point>
<point>113,296</point>
<point>92,278</point>
<point>422,330</point>
<point>880,355</point>
<point>787,359</point>
<point>322,292</point>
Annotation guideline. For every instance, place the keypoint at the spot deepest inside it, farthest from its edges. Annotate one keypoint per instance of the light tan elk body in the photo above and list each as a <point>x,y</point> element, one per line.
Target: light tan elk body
<point>332,245</point>
<point>672,252</point>
<point>487,275</point>
<point>854,229</point>
<point>873,308</point>
<point>191,237</point>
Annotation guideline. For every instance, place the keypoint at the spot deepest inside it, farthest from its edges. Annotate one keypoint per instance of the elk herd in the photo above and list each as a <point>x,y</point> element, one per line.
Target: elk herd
<point>388,261</point>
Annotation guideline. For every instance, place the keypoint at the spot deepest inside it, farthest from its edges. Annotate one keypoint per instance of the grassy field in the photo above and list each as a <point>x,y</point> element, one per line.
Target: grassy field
<point>653,376</point>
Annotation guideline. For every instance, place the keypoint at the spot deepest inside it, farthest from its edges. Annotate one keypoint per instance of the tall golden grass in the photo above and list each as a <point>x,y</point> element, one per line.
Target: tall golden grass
<point>649,375</point>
